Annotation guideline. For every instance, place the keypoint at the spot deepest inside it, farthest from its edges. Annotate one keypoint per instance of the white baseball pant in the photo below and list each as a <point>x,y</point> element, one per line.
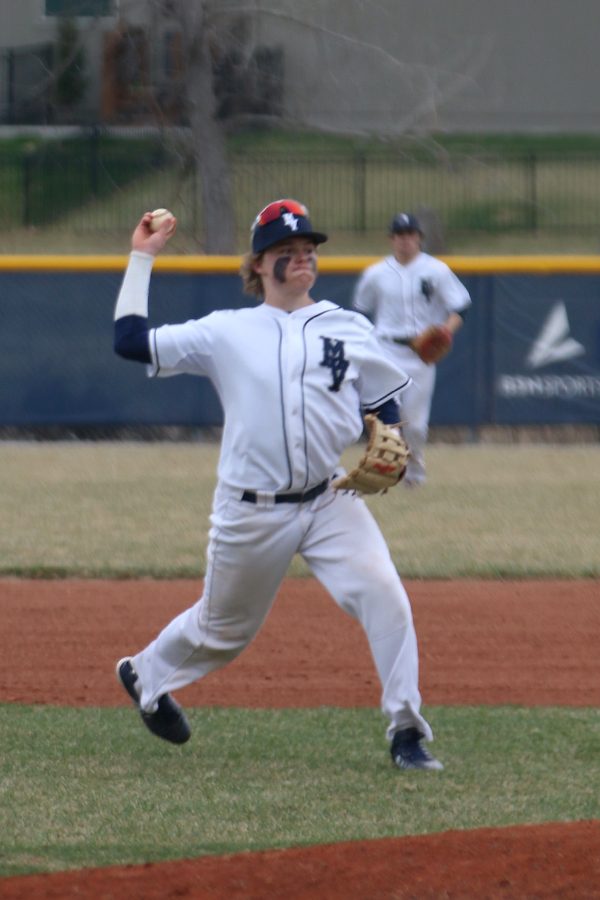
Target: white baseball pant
<point>250,549</point>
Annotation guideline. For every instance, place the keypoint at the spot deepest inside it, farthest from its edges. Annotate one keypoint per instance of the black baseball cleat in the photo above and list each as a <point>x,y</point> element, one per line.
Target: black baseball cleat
<point>408,751</point>
<point>168,721</point>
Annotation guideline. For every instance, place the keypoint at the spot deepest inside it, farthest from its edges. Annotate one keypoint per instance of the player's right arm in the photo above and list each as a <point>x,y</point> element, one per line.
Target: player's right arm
<point>131,336</point>
<point>364,298</point>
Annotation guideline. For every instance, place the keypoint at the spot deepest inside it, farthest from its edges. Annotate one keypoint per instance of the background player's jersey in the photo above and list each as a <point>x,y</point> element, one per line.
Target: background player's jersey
<point>404,300</point>
<point>291,386</point>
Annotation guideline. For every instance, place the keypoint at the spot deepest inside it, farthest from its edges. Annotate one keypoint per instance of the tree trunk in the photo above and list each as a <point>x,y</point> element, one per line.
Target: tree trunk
<point>209,151</point>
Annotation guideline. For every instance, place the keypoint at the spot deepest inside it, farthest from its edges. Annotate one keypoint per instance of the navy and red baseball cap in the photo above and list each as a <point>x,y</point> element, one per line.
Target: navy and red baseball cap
<point>279,220</point>
<point>404,223</point>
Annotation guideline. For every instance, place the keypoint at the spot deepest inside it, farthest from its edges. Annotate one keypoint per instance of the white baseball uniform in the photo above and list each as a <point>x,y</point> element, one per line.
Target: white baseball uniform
<point>402,300</point>
<point>291,386</point>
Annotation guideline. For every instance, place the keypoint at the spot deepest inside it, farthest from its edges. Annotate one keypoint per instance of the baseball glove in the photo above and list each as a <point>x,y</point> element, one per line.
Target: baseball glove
<point>383,464</point>
<point>433,343</point>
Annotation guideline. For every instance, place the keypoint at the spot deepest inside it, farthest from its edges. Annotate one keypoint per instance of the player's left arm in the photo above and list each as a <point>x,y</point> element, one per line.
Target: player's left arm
<point>455,298</point>
<point>455,321</point>
<point>388,412</point>
<point>381,382</point>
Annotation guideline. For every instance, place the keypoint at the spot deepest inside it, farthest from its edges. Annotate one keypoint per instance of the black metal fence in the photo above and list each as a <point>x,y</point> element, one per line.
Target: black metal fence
<point>46,183</point>
<point>95,184</point>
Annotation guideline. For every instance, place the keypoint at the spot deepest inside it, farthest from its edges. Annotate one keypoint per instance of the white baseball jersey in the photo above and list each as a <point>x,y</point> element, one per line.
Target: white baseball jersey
<point>403,300</point>
<point>291,386</point>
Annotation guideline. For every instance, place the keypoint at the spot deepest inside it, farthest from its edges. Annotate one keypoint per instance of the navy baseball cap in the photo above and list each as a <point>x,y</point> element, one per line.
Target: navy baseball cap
<point>405,222</point>
<point>279,220</point>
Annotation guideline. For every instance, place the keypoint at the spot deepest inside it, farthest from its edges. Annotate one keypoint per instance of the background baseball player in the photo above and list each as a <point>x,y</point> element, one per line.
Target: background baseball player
<point>417,304</point>
<point>292,375</point>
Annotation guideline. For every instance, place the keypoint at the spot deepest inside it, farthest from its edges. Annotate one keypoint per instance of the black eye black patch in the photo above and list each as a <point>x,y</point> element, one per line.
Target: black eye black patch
<point>280,268</point>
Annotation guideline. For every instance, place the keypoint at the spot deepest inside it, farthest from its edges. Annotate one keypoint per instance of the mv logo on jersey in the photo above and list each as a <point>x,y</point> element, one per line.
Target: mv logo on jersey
<point>334,359</point>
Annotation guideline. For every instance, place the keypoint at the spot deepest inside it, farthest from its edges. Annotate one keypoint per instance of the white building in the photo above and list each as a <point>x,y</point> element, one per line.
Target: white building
<point>389,66</point>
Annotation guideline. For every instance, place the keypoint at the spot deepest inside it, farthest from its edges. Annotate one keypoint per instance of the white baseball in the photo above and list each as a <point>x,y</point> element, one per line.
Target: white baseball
<point>159,216</point>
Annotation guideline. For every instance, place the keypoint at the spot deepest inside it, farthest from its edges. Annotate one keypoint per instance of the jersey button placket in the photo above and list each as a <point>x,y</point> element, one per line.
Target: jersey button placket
<point>293,398</point>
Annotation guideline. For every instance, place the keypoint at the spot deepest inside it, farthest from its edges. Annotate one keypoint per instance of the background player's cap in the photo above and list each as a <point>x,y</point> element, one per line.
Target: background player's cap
<point>279,220</point>
<point>405,222</point>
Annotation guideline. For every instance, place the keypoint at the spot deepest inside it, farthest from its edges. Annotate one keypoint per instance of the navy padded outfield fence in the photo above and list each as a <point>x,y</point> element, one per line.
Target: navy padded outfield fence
<point>529,352</point>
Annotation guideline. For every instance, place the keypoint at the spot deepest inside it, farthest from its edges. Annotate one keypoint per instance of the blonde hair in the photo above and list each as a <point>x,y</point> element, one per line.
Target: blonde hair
<point>251,280</point>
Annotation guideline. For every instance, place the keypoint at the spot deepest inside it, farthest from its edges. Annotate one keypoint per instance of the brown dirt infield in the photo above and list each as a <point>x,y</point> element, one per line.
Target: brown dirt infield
<point>529,643</point>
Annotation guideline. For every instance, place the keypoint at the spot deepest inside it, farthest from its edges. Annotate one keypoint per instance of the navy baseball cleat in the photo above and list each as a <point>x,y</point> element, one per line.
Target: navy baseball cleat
<point>408,751</point>
<point>168,721</point>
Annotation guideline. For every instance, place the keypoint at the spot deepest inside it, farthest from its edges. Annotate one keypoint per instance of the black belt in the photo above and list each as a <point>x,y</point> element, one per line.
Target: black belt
<point>299,497</point>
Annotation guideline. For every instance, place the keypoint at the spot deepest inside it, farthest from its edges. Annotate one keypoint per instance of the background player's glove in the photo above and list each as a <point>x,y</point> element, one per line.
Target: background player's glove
<point>383,464</point>
<point>433,343</point>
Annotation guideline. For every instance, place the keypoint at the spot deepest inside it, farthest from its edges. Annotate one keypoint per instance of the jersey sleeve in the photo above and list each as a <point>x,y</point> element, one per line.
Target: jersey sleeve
<point>452,291</point>
<point>364,297</point>
<point>380,378</point>
<point>186,348</point>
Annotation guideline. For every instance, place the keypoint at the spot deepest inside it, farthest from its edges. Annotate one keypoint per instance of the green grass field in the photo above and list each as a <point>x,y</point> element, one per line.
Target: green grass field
<point>83,509</point>
<point>87,787</point>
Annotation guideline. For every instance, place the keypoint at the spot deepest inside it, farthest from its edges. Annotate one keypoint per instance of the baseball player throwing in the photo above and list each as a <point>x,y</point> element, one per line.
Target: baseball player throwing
<point>293,375</point>
<point>416,304</point>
